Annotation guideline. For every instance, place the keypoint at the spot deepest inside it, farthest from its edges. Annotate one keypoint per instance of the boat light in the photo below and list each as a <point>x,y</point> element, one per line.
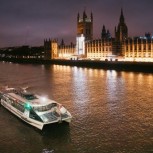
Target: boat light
<point>43,99</point>
<point>27,106</point>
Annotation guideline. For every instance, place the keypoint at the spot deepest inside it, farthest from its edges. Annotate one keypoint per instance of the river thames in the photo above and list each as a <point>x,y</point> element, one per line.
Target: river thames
<point>112,110</point>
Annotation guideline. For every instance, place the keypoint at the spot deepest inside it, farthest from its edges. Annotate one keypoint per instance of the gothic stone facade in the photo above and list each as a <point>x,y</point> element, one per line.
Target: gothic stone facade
<point>130,49</point>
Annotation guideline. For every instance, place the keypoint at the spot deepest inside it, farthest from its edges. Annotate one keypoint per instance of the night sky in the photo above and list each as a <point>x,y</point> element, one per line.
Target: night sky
<point>29,22</point>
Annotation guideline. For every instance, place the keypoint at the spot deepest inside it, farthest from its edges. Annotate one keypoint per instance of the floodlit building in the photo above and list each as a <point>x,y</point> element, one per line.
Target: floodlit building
<point>51,49</point>
<point>66,51</point>
<point>98,49</point>
<point>85,26</point>
<point>121,47</point>
<point>139,49</point>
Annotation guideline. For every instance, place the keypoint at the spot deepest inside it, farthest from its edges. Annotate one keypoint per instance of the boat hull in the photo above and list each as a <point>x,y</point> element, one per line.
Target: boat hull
<point>28,120</point>
<point>20,115</point>
<point>33,109</point>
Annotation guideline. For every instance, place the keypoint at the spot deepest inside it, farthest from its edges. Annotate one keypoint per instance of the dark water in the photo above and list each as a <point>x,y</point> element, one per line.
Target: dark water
<point>112,111</point>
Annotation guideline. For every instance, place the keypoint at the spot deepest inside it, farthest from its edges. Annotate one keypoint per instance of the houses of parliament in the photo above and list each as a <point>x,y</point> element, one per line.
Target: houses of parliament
<point>121,47</point>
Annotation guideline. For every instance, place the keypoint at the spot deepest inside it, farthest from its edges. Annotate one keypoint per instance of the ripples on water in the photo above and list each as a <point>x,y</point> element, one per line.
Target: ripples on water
<point>112,111</point>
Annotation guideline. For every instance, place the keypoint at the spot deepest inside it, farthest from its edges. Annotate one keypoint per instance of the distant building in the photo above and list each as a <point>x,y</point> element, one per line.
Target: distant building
<point>138,49</point>
<point>22,52</point>
<point>121,33</point>
<point>84,32</point>
<point>80,45</point>
<point>105,34</point>
<point>54,50</point>
<point>98,49</point>
<point>50,49</point>
<point>85,26</point>
<point>66,51</point>
<point>121,47</point>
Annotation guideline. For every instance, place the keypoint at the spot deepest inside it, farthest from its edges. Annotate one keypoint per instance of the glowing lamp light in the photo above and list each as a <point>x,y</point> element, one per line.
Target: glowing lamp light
<point>43,99</point>
<point>27,106</point>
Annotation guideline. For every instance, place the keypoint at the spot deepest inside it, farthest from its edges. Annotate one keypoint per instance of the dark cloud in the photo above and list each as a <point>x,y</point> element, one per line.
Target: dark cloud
<point>31,21</point>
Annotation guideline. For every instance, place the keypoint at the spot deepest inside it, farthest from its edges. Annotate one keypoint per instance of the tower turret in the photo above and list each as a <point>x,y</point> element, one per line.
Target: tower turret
<point>78,17</point>
<point>91,16</point>
<point>121,17</point>
<point>84,15</point>
<point>105,34</point>
<point>85,26</point>
<point>121,33</point>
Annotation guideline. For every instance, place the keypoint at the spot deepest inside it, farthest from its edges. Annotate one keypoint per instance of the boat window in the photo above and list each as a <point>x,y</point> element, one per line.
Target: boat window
<point>45,108</point>
<point>26,95</point>
<point>29,96</point>
<point>33,115</point>
<point>18,105</point>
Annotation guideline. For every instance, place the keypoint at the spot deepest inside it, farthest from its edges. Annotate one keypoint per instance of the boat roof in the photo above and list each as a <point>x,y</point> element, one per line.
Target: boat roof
<point>26,97</point>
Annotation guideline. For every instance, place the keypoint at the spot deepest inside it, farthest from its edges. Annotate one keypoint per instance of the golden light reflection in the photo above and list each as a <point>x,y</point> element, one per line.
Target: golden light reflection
<point>80,83</point>
<point>150,77</point>
<point>140,78</point>
<point>61,68</point>
<point>111,73</point>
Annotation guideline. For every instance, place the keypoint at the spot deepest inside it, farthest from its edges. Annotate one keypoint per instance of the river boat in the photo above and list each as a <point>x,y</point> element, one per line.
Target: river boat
<point>35,110</point>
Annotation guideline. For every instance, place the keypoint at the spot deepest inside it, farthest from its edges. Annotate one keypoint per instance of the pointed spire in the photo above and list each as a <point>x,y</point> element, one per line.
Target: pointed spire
<point>121,11</point>
<point>84,15</point>
<point>121,16</point>
<point>62,43</point>
<point>115,32</point>
<point>78,17</point>
<point>108,32</point>
<point>91,16</point>
<point>104,29</point>
<point>103,34</point>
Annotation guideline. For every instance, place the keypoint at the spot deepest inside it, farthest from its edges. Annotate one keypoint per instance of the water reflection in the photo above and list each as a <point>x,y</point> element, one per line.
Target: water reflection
<point>112,111</point>
<point>115,84</point>
<point>80,89</point>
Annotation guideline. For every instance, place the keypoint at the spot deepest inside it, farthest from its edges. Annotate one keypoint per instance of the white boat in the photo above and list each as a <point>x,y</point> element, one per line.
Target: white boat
<point>33,109</point>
